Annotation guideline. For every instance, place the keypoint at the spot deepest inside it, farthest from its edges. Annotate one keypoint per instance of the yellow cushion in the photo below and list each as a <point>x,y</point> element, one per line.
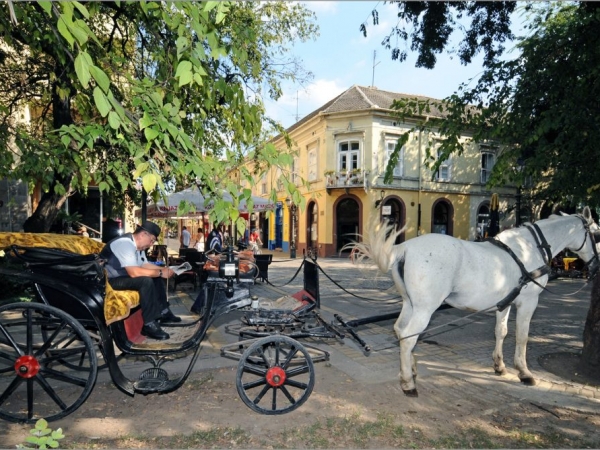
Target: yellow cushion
<point>117,304</point>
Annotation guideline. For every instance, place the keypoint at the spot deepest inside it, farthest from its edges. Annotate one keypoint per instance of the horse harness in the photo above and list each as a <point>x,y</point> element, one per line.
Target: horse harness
<point>544,248</point>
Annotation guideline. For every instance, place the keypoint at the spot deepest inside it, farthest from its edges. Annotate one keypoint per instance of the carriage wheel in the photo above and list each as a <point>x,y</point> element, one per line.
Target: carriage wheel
<point>275,375</point>
<point>80,363</point>
<point>39,348</point>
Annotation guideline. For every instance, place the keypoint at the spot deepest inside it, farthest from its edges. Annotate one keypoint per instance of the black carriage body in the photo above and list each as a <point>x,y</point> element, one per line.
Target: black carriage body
<point>75,284</point>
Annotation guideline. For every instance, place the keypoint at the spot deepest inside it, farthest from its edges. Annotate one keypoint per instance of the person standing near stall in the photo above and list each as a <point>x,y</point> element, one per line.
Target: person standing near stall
<point>185,238</point>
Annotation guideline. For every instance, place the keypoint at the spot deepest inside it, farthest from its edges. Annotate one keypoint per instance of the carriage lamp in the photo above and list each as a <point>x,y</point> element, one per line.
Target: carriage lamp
<point>229,268</point>
<point>292,208</point>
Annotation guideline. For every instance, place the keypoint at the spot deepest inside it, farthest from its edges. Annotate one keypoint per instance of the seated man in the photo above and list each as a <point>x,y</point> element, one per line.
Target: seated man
<point>128,269</point>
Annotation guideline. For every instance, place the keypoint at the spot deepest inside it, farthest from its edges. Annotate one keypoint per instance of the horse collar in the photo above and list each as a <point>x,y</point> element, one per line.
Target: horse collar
<point>542,246</point>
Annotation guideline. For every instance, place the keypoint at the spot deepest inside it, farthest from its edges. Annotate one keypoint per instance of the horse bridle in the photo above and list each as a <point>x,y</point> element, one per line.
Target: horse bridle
<point>586,225</point>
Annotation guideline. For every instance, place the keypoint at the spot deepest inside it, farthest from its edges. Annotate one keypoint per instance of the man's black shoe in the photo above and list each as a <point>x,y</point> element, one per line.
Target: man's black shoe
<point>154,331</point>
<point>169,317</point>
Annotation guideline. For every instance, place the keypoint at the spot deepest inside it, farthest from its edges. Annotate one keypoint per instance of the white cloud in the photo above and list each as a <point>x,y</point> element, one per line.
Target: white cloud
<point>304,101</point>
<point>322,7</point>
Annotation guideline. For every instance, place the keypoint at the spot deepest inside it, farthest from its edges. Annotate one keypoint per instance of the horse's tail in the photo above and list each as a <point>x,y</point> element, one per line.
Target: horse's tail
<point>378,245</point>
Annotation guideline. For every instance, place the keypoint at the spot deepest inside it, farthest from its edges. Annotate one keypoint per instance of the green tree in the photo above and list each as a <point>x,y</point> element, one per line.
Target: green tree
<point>139,92</point>
<point>541,107</point>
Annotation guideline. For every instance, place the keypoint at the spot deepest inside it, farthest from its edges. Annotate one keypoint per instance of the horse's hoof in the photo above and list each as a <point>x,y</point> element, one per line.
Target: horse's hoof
<point>410,392</point>
<point>528,381</point>
<point>500,372</point>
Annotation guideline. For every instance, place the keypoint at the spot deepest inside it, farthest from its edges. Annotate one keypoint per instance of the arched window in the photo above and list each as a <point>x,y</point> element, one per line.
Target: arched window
<point>483,218</point>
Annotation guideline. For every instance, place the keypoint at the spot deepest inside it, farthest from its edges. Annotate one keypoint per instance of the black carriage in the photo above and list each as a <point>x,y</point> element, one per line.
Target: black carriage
<point>51,349</point>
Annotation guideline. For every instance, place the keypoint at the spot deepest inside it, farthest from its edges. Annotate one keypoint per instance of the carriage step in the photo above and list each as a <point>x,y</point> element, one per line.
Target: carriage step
<point>151,380</point>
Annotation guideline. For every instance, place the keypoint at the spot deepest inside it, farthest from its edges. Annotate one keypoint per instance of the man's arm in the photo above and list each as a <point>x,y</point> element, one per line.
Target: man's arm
<point>149,270</point>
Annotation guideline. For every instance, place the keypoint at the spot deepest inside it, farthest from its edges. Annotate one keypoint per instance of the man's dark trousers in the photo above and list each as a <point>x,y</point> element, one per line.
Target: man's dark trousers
<point>153,295</point>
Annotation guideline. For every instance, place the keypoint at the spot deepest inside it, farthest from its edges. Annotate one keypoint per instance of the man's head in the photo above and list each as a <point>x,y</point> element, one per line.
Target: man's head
<point>150,231</point>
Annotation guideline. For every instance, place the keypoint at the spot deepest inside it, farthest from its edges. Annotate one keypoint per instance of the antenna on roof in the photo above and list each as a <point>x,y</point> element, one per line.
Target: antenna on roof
<point>374,64</point>
<point>297,116</point>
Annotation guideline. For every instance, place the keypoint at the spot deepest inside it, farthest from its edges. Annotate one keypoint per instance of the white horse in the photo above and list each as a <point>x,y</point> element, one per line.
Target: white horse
<point>475,276</point>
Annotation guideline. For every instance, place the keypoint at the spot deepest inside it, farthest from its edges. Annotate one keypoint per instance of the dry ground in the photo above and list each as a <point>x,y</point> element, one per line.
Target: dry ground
<point>341,413</point>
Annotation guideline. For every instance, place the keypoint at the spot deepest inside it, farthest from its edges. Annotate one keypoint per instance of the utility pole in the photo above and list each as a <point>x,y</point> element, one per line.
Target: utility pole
<point>374,65</point>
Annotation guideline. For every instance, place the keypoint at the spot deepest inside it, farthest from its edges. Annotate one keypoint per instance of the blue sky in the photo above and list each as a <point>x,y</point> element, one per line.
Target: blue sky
<point>341,57</point>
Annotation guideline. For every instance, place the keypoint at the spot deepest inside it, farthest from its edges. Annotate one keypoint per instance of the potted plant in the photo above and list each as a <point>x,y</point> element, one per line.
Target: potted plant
<point>330,174</point>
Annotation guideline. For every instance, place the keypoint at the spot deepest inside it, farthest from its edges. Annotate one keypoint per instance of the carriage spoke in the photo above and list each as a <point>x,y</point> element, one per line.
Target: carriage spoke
<point>289,358</point>
<point>10,389</point>
<point>60,376</point>
<point>297,371</point>
<point>261,394</point>
<point>29,398</point>
<point>296,384</point>
<point>274,400</point>
<point>10,340</point>
<point>288,395</point>
<point>254,369</point>
<point>50,340</point>
<point>49,390</point>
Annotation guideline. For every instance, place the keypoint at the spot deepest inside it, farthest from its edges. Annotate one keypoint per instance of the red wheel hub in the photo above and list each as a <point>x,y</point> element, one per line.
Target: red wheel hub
<point>27,366</point>
<point>275,376</point>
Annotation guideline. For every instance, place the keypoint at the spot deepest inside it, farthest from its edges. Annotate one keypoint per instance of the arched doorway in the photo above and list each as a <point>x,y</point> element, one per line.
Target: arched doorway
<point>483,218</point>
<point>312,219</point>
<point>393,210</point>
<point>347,215</point>
<point>443,216</point>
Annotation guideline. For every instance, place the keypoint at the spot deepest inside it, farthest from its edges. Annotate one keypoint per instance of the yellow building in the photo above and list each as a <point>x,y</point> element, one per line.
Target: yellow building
<point>342,150</point>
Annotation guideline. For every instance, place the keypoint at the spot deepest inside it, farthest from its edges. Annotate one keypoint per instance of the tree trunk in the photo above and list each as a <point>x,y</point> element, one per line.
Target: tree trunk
<point>47,210</point>
<point>45,214</point>
<point>590,356</point>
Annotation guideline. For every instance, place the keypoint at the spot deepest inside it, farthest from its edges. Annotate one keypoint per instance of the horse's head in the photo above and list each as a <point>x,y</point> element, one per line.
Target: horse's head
<point>588,250</point>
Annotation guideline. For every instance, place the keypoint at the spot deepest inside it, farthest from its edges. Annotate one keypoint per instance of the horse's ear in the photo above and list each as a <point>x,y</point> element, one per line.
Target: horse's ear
<point>563,213</point>
<point>587,214</point>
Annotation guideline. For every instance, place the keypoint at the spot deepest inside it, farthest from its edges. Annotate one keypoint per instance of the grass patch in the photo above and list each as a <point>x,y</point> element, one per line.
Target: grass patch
<point>348,432</point>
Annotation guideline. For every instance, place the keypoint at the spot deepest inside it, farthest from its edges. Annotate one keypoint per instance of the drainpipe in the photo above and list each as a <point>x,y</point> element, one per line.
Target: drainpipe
<point>419,186</point>
<point>419,189</point>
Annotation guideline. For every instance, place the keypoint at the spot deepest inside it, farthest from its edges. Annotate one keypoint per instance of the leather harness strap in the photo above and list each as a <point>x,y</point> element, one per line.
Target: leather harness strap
<point>526,276</point>
<point>543,245</point>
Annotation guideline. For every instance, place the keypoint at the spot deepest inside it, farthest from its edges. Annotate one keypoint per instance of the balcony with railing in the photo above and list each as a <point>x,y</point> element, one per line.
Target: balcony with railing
<point>344,178</point>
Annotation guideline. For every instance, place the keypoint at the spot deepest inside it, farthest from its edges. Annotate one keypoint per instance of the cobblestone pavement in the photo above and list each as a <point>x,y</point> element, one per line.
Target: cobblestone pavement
<point>462,349</point>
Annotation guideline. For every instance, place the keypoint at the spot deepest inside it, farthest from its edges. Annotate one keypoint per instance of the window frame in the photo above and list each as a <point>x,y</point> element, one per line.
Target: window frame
<point>399,169</point>
<point>486,172</point>
<point>350,156</point>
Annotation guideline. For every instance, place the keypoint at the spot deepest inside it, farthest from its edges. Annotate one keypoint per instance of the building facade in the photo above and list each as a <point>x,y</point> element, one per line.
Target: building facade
<point>342,149</point>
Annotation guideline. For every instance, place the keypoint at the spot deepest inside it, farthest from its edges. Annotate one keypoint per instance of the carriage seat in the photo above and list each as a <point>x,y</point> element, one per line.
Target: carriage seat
<point>117,304</point>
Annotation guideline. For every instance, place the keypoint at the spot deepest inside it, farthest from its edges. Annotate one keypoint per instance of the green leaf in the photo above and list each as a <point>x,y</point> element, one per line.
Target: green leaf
<point>46,6</point>
<point>150,134</point>
<point>210,5</point>
<point>145,121</point>
<point>100,77</point>
<point>82,69</point>
<point>222,9</point>
<point>149,182</point>
<point>66,140</point>
<point>78,29</point>
<point>114,120</point>
<point>184,72</point>
<point>82,9</point>
<point>101,101</point>
<point>64,30</point>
